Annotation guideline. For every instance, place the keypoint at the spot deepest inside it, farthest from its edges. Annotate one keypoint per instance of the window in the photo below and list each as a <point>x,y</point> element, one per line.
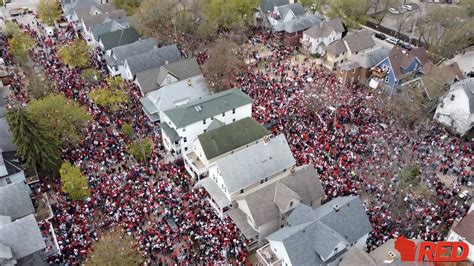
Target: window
<point>185,148</point>
<point>233,111</point>
<point>261,181</point>
<point>212,118</point>
<point>266,179</point>
<point>452,97</point>
<point>185,139</point>
<point>233,120</point>
<point>223,114</point>
<point>291,203</point>
<point>184,129</point>
<point>8,180</point>
<point>205,130</point>
<point>387,79</point>
<point>204,121</point>
<point>354,70</point>
<point>241,191</point>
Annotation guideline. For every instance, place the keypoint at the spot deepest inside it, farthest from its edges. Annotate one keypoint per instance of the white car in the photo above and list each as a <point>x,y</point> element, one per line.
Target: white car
<point>403,9</point>
<point>393,11</point>
<point>408,7</point>
<point>392,40</point>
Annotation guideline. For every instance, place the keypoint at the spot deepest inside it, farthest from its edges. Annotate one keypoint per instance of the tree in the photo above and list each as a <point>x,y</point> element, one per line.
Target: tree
<point>66,117</point>
<point>404,21</point>
<point>130,6</point>
<point>114,248</point>
<point>109,98</point>
<point>36,145</point>
<point>74,182</point>
<point>154,18</point>
<point>352,12</point>
<point>223,64</point>
<point>49,12</point>
<point>19,45</point>
<point>116,83</point>
<point>75,54</point>
<point>141,149</point>
<point>127,130</point>
<point>11,29</point>
<point>446,30</point>
<point>91,75</point>
<point>38,88</point>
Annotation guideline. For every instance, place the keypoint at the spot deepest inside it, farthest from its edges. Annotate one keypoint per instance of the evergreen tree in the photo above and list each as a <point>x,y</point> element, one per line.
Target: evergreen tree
<point>36,146</point>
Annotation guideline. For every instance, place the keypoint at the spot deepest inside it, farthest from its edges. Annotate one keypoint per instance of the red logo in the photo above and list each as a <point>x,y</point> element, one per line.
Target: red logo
<point>441,251</point>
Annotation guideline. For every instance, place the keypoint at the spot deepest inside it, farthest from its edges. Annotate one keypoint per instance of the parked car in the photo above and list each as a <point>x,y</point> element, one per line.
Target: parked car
<point>406,46</point>
<point>393,11</point>
<point>408,7</point>
<point>392,40</point>
<point>403,9</point>
<point>380,36</point>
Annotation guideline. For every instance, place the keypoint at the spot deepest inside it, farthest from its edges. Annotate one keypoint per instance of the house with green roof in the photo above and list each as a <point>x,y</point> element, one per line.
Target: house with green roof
<point>181,125</point>
<point>117,38</point>
<point>221,141</point>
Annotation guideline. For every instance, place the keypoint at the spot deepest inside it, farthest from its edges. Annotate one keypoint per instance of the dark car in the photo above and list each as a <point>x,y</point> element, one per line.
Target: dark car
<point>380,36</point>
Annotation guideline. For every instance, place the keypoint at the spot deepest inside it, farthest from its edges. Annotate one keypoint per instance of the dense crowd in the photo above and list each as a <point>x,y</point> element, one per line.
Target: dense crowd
<point>338,128</point>
<point>356,147</point>
<point>154,201</point>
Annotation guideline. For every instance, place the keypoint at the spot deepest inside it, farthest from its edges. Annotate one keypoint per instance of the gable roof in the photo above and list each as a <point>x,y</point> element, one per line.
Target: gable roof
<point>336,47</point>
<point>123,52</point>
<point>230,137</point>
<point>257,162</point>
<point>70,7</point>
<point>115,24</point>
<point>269,5</point>
<point>23,236</point>
<point>400,57</point>
<point>181,69</point>
<point>358,41</point>
<point>6,136</point>
<point>175,94</point>
<point>296,8</point>
<point>438,77</point>
<point>365,60</point>
<point>300,23</point>
<point>118,38</point>
<point>90,20</point>
<point>467,85</point>
<point>16,201</point>
<point>207,107</point>
<point>313,234</point>
<point>154,59</point>
<point>90,10</point>
<point>325,28</point>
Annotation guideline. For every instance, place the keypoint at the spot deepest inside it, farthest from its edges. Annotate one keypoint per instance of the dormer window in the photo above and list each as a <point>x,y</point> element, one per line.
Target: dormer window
<point>452,97</point>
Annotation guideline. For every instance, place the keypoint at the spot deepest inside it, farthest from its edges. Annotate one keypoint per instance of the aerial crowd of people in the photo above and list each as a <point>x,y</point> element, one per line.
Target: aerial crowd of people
<point>335,127</point>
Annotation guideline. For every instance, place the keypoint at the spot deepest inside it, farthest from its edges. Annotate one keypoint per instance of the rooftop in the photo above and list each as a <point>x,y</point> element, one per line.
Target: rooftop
<point>257,162</point>
<point>118,38</point>
<point>16,201</point>
<point>207,107</point>
<point>230,137</point>
<point>154,59</point>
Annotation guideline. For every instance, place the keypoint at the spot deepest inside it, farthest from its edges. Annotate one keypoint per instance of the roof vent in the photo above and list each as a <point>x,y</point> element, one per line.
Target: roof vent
<point>391,254</point>
<point>166,62</point>
<point>189,82</point>
<point>198,108</point>
<point>336,207</point>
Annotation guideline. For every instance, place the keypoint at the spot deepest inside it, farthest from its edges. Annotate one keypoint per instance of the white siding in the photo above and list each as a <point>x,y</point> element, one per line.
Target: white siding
<point>453,236</point>
<point>279,249</point>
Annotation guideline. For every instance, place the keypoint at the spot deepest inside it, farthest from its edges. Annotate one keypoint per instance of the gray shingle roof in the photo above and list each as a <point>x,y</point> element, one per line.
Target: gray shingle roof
<point>115,24</point>
<point>325,28</point>
<point>257,162</point>
<point>336,47</point>
<point>118,38</point>
<point>154,58</point>
<point>208,107</point>
<point>15,199</point>
<point>214,191</point>
<point>5,251</point>
<point>90,20</point>
<point>73,5</point>
<point>136,48</point>
<point>230,137</point>
<point>23,236</point>
<point>182,69</point>
<point>371,58</point>
<point>304,181</point>
<point>171,133</point>
<point>147,80</point>
<point>297,9</point>
<point>300,23</point>
<point>178,93</point>
<point>358,41</point>
<point>6,143</point>
<point>314,233</point>
<point>269,5</point>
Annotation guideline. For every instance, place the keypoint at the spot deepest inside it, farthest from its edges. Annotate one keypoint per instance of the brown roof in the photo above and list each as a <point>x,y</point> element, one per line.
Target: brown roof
<point>455,70</point>
<point>436,78</point>
<point>400,57</point>
<point>465,227</point>
<point>359,41</point>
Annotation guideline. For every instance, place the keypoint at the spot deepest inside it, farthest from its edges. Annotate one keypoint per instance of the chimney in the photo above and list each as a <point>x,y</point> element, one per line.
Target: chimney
<point>336,207</point>
<point>189,82</point>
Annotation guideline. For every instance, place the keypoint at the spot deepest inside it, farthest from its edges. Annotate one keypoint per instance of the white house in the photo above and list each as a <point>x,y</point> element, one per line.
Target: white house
<point>174,95</point>
<point>456,109</point>
<point>89,20</point>
<point>317,38</point>
<point>285,13</point>
<point>230,177</point>
<point>181,125</point>
<point>220,142</point>
<point>463,231</point>
<point>318,236</point>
